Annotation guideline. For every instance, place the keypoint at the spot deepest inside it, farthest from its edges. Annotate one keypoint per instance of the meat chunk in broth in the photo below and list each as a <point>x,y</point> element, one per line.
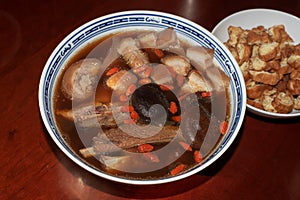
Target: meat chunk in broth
<point>80,80</point>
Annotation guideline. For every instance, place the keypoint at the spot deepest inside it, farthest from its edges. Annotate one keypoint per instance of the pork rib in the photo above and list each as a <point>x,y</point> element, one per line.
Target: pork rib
<point>90,116</point>
<point>115,139</point>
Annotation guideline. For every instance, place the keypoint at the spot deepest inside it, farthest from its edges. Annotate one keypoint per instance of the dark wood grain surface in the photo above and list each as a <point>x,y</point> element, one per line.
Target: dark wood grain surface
<point>262,163</point>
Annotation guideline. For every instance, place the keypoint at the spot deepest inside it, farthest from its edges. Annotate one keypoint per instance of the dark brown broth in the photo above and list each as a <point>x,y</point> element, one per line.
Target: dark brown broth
<point>69,132</point>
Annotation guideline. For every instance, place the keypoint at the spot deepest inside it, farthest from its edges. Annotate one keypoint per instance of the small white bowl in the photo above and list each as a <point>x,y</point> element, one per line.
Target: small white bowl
<point>248,19</point>
<point>139,20</point>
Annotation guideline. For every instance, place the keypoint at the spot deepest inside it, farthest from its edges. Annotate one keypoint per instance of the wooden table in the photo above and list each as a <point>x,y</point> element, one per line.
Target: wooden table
<point>262,163</point>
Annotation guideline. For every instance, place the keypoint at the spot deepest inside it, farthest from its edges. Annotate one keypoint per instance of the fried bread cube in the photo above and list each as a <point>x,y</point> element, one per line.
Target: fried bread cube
<point>270,78</point>
<point>268,51</point>
<point>283,103</point>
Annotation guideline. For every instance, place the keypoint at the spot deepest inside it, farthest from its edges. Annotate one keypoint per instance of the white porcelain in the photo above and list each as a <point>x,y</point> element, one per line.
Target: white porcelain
<point>140,20</point>
<point>248,19</point>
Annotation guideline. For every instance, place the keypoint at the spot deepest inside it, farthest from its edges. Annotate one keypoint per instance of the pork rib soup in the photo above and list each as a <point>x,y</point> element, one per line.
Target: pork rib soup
<point>142,104</point>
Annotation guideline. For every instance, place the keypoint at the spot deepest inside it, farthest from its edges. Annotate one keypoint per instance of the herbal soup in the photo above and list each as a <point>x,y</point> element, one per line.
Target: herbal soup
<point>142,104</point>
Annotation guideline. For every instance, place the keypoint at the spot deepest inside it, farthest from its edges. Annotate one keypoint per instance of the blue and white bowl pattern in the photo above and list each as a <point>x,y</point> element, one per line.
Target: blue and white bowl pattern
<point>145,20</point>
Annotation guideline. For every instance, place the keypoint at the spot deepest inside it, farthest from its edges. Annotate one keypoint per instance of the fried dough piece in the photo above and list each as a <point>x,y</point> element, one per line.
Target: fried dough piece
<point>267,99</point>
<point>270,78</point>
<point>282,84</point>
<point>285,68</point>
<point>294,61</point>
<point>278,34</point>
<point>268,51</point>
<point>258,36</point>
<point>295,75</point>
<point>294,87</point>
<point>257,103</point>
<point>245,70</point>
<point>233,51</point>
<point>255,90</point>
<point>297,103</point>
<point>257,64</point>
<point>267,104</point>
<point>244,52</point>
<point>283,103</point>
<point>278,102</point>
<point>272,65</point>
<point>234,34</point>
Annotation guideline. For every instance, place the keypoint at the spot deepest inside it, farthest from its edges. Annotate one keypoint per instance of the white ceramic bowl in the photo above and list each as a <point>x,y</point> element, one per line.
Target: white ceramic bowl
<point>248,19</point>
<point>140,20</point>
